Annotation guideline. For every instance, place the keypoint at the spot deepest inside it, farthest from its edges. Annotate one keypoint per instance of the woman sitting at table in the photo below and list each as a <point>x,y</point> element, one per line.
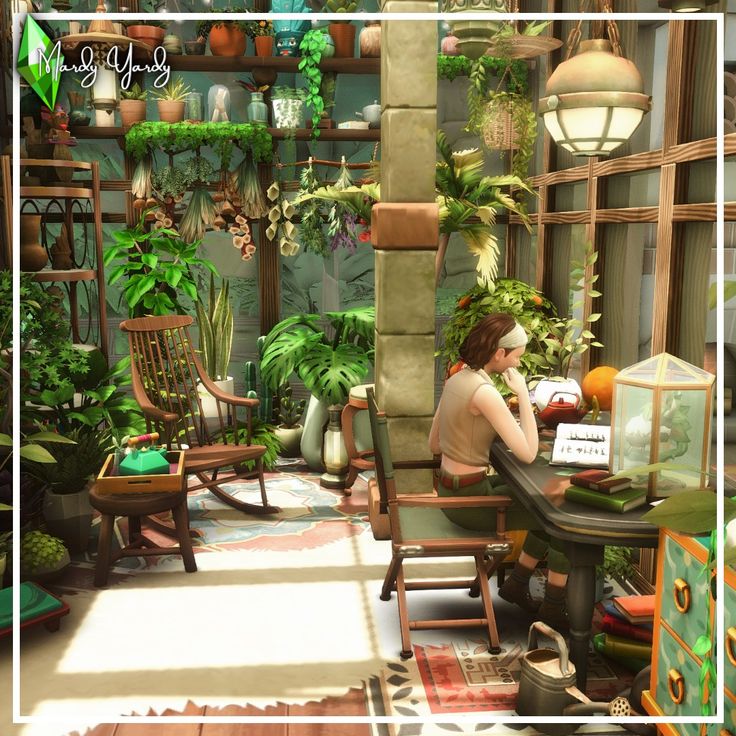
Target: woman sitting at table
<point>469,417</point>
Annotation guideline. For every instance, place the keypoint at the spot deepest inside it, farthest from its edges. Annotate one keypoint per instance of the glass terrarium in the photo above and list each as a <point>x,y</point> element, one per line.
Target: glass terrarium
<point>662,410</point>
<point>218,104</point>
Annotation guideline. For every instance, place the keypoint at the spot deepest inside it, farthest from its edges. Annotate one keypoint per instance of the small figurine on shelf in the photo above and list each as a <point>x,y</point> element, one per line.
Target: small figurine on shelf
<point>55,132</point>
<point>218,102</point>
<point>61,252</point>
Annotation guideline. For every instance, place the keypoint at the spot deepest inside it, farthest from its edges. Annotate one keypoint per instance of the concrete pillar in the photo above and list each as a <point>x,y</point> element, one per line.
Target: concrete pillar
<point>405,232</point>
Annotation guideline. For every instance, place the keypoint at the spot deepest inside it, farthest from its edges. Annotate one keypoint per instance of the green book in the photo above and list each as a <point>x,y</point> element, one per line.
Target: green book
<point>634,664</point>
<point>34,602</point>
<point>620,502</point>
<point>627,647</point>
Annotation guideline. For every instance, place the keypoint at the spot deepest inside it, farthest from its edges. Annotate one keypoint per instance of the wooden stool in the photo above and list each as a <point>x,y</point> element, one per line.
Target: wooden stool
<point>134,506</point>
<point>357,461</point>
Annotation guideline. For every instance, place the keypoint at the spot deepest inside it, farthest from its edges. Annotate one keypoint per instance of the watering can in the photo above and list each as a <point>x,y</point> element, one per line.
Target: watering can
<point>145,460</point>
<point>547,686</point>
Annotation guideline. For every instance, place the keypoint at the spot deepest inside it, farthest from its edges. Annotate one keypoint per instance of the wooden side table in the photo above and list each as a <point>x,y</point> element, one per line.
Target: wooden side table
<point>357,461</point>
<point>134,506</point>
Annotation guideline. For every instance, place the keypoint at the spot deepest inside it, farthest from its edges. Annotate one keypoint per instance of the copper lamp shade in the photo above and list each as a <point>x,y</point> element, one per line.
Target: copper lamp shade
<point>594,101</point>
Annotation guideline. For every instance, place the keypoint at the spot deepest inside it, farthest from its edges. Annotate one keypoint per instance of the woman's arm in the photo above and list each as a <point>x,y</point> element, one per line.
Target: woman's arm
<point>522,440</point>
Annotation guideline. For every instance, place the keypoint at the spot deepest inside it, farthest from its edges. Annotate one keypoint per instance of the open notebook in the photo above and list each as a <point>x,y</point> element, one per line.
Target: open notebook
<point>582,445</point>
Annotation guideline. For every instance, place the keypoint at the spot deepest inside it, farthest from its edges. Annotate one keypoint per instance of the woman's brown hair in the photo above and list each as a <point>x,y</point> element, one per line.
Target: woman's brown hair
<point>482,342</point>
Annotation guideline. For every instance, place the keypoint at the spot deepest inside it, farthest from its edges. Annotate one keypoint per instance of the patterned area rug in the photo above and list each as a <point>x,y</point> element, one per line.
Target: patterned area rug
<point>451,672</point>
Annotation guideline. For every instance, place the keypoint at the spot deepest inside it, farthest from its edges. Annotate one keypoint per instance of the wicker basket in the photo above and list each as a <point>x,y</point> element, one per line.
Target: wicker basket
<point>497,129</point>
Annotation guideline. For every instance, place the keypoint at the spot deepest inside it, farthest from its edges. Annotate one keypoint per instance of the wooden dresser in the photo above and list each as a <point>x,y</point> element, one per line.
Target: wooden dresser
<point>684,605</point>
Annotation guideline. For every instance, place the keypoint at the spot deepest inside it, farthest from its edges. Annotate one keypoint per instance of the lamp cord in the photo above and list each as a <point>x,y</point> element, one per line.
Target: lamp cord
<point>573,39</point>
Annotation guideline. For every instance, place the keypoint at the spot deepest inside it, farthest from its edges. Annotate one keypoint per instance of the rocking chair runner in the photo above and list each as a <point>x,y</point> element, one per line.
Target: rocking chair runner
<point>419,528</point>
<point>164,371</point>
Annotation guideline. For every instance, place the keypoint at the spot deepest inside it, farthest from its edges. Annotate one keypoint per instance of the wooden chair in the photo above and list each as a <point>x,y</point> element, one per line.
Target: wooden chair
<point>165,371</point>
<point>419,528</point>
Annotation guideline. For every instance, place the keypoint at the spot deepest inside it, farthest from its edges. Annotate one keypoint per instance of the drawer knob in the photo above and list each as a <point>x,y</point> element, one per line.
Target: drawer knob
<point>730,641</point>
<point>681,594</point>
<point>676,686</point>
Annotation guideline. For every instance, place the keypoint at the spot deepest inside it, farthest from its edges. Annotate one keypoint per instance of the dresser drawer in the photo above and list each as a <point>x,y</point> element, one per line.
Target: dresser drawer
<point>729,609</point>
<point>678,678</point>
<point>685,595</point>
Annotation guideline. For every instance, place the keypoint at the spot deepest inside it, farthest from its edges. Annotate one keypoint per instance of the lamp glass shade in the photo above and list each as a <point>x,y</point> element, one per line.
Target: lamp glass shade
<point>592,131</point>
<point>661,413</point>
<point>105,88</point>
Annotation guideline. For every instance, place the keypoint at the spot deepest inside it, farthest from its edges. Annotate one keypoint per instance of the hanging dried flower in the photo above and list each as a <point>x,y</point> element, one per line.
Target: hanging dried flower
<point>287,208</point>
<point>274,214</point>
<point>238,241</point>
<point>249,188</point>
<point>168,222</point>
<point>235,230</point>
<point>240,220</point>
<point>250,249</point>
<point>139,204</point>
<point>273,191</point>
<point>218,196</point>
<point>227,209</point>
<point>271,231</point>
<point>219,222</point>
<point>247,238</point>
<point>159,215</point>
<point>199,215</point>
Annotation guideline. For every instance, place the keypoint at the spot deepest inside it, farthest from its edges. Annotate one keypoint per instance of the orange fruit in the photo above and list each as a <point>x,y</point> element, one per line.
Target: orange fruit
<point>464,302</point>
<point>599,383</point>
<point>455,368</point>
<point>536,299</point>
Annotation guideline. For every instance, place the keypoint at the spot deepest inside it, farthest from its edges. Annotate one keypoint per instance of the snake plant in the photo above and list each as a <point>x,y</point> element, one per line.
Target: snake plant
<point>216,331</point>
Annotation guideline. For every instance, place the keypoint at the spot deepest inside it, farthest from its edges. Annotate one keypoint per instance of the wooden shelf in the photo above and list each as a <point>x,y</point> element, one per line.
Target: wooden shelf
<point>57,191</point>
<point>283,64</point>
<point>326,134</point>
<point>72,274</point>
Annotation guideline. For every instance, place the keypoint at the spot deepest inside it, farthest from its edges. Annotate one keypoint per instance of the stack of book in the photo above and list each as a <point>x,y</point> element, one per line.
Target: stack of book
<point>626,631</point>
<point>597,488</point>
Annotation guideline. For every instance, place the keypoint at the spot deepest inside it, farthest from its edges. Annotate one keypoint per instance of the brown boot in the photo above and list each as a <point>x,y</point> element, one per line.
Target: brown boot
<point>553,610</point>
<point>515,589</point>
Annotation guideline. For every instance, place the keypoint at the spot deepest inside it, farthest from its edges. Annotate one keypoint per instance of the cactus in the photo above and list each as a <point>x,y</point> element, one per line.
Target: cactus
<point>254,390</point>
<point>290,410</point>
<point>216,331</point>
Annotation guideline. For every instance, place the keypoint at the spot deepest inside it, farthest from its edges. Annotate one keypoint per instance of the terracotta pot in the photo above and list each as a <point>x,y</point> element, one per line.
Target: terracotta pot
<point>226,40</point>
<point>449,44</point>
<point>170,111</point>
<point>153,36</point>
<point>343,34</point>
<point>33,256</point>
<point>370,39</point>
<point>132,111</point>
<point>264,45</point>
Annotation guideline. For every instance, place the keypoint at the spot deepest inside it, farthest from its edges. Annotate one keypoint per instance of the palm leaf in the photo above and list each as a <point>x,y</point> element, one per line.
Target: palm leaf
<point>330,374</point>
<point>483,244</point>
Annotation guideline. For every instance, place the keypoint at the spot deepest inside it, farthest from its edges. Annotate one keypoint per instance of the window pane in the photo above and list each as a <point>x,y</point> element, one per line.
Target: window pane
<point>570,197</point>
<point>701,181</point>
<point>640,189</point>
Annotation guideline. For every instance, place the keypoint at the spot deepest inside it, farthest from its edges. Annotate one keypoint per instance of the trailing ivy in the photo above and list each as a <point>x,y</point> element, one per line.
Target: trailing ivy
<point>221,137</point>
<point>450,67</point>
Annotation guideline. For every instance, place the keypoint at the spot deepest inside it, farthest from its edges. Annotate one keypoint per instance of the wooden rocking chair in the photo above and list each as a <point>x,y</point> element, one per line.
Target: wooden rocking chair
<point>419,528</point>
<point>165,372</point>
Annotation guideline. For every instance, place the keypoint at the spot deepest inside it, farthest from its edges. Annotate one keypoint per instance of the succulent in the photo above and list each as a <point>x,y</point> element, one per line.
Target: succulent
<point>136,92</point>
<point>290,410</point>
<point>39,551</point>
<point>174,91</point>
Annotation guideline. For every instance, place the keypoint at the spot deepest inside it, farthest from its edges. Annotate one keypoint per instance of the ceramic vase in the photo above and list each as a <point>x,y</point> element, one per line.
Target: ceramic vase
<point>152,36</point>
<point>257,108</point>
<point>263,45</point>
<point>288,113</point>
<point>69,517</point>
<point>315,421</point>
<point>343,34</point>
<point>225,40</point>
<point>290,439</point>
<point>33,256</point>
<point>369,40</point>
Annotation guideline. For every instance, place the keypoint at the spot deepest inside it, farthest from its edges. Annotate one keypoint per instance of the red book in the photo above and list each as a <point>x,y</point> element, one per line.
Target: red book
<point>599,480</point>
<point>613,625</point>
<point>637,609</point>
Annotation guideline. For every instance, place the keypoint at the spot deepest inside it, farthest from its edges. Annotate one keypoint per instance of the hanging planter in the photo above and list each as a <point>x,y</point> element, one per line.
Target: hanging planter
<point>475,36</point>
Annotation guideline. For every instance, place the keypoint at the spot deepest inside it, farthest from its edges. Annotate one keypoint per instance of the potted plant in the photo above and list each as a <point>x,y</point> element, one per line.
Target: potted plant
<point>199,45</point>
<point>215,323</point>
<point>342,32</point>
<point>228,37</point>
<point>315,47</point>
<point>329,366</point>
<point>42,556</point>
<point>66,506</point>
<point>133,105</point>
<point>288,107</point>
<point>289,431</point>
<point>157,266</point>
<point>151,32</point>
<point>261,31</point>
<point>171,101</point>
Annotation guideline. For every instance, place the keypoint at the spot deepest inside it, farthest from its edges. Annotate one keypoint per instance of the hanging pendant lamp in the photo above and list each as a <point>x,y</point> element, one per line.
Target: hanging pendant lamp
<point>595,100</point>
<point>475,36</point>
<point>685,6</point>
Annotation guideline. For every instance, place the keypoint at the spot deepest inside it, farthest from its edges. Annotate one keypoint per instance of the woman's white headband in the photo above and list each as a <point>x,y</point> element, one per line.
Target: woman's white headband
<point>517,338</point>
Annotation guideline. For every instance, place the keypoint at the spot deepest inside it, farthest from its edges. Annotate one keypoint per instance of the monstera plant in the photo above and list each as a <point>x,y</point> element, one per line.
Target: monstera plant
<point>329,366</point>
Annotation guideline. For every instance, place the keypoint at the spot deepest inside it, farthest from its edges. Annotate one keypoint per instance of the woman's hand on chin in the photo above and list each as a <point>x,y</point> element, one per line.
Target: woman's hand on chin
<point>515,381</point>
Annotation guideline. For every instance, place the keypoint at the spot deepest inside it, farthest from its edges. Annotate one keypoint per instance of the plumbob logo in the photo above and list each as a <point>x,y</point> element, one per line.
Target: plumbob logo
<point>40,62</point>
